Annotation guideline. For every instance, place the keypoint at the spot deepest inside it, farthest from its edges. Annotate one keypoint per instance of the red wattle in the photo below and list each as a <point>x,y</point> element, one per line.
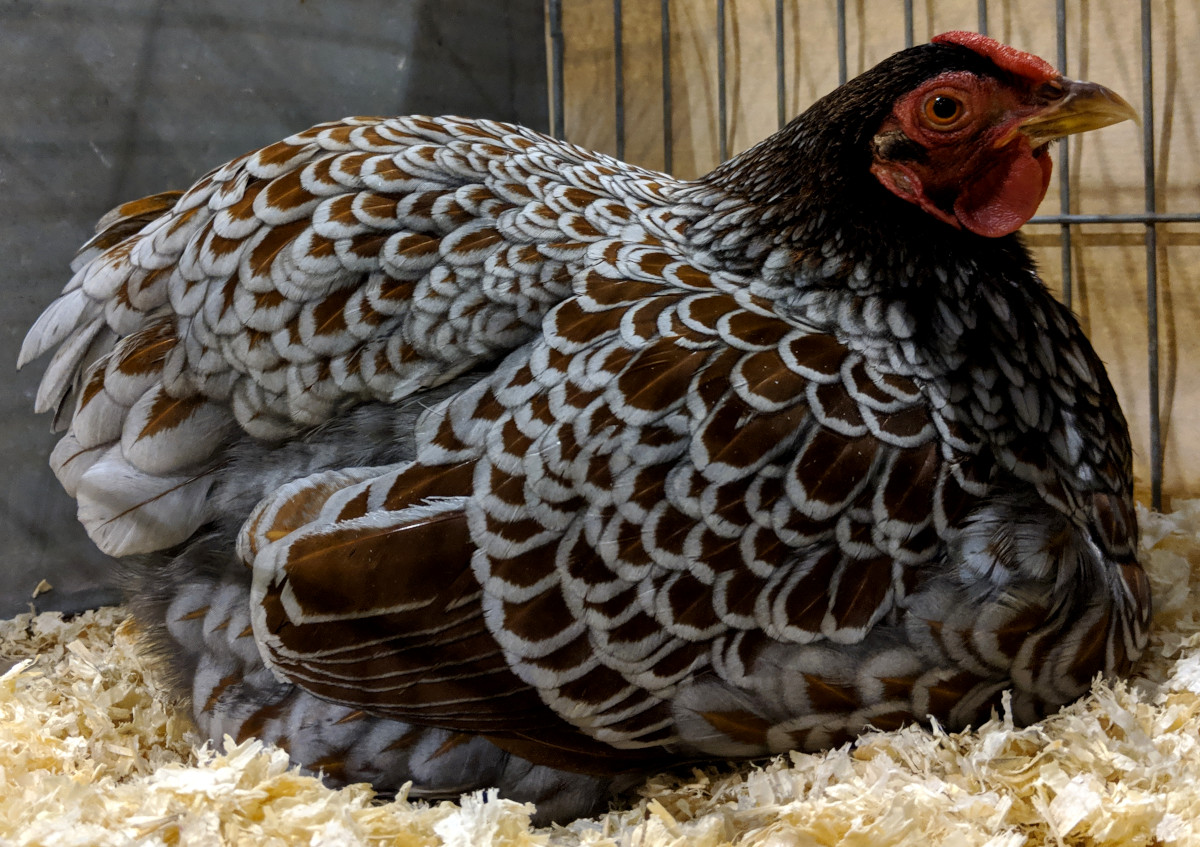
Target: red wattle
<point>1007,194</point>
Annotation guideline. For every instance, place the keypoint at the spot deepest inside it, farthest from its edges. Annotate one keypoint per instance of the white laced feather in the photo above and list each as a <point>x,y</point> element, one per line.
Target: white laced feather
<point>59,320</point>
<point>127,511</point>
<point>99,420</point>
<point>70,461</point>
<point>64,368</point>
<point>164,435</point>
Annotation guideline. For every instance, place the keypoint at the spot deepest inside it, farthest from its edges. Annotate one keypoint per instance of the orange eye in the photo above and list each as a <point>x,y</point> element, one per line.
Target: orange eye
<point>943,110</point>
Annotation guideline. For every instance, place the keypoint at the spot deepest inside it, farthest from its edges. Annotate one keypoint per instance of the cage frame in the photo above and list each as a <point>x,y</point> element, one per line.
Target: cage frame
<point>1149,218</point>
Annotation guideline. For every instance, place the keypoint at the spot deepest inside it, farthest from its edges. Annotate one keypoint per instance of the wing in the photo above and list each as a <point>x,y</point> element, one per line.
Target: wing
<point>363,594</point>
<point>360,260</point>
<point>672,477</point>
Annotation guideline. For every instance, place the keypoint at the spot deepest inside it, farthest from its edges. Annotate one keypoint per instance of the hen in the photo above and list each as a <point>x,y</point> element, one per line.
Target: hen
<point>440,450</point>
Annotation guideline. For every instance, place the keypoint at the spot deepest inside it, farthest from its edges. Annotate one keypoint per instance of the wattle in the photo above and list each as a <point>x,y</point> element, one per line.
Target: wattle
<point>1007,194</point>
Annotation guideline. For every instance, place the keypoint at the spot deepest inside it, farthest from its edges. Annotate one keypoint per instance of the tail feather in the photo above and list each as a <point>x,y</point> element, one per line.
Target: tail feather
<point>61,318</point>
<point>123,221</point>
<point>64,369</point>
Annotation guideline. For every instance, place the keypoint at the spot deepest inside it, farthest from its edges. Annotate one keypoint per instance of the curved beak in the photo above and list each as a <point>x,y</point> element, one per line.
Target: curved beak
<point>1081,107</point>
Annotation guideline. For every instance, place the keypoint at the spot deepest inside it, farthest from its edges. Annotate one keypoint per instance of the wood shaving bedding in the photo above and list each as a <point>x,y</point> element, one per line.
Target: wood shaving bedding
<point>92,752</point>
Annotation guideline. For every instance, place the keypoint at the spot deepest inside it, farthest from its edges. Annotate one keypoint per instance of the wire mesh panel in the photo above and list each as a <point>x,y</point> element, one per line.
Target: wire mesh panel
<point>1066,223</point>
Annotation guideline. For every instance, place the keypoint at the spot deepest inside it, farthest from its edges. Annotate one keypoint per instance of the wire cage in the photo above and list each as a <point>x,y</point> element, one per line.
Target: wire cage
<point>1065,222</point>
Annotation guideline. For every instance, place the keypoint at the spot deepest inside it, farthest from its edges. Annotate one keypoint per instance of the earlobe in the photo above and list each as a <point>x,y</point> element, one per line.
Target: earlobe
<point>897,179</point>
<point>906,185</point>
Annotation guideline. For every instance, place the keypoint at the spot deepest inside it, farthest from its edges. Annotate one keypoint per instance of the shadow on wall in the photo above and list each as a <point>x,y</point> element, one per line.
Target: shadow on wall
<point>109,100</point>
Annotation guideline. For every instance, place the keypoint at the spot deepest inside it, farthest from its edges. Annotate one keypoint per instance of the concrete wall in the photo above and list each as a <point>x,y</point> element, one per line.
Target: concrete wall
<point>109,100</point>
<point>1104,44</point>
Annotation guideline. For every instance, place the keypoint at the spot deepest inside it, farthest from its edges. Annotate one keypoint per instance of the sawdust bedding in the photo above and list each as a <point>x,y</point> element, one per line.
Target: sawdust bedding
<point>92,752</point>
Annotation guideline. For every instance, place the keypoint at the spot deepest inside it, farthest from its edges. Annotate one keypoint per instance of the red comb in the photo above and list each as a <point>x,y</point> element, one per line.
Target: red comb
<point>1008,58</point>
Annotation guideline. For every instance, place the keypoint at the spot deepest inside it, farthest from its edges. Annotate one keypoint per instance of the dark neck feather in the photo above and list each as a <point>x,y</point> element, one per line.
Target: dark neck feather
<point>808,188</point>
<point>803,219</point>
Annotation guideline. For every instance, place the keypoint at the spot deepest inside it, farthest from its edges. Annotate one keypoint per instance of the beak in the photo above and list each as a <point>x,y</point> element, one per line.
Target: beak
<point>1082,106</point>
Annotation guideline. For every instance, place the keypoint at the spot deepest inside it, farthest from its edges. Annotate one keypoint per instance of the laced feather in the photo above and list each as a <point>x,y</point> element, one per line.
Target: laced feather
<point>127,511</point>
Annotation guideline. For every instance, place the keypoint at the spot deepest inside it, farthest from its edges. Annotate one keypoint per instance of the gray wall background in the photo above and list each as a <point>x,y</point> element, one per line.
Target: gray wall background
<point>103,101</point>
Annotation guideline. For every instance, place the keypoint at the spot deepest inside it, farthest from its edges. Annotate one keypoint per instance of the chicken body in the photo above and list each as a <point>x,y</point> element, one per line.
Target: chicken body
<point>443,451</point>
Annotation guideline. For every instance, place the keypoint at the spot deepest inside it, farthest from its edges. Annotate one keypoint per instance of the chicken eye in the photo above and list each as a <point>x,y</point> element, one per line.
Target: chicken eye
<point>942,110</point>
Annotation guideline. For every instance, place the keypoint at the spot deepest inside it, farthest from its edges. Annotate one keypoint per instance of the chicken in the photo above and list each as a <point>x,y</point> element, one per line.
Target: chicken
<point>441,450</point>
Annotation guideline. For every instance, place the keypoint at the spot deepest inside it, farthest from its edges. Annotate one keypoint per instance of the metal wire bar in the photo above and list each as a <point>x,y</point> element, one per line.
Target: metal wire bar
<point>843,65</point>
<point>557,129</point>
<point>1130,218</point>
<point>722,118</point>
<point>1156,447</point>
<point>780,83</point>
<point>981,6</point>
<point>908,23</point>
<point>1064,163</point>
<point>619,78</point>
<point>668,124</point>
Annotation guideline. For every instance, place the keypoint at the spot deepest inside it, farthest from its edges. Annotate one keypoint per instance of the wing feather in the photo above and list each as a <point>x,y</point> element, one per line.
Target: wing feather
<point>380,610</point>
<point>360,260</point>
<point>658,420</point>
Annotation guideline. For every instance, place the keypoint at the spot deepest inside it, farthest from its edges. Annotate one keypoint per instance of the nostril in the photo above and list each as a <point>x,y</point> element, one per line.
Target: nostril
<point>1052,90</point>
